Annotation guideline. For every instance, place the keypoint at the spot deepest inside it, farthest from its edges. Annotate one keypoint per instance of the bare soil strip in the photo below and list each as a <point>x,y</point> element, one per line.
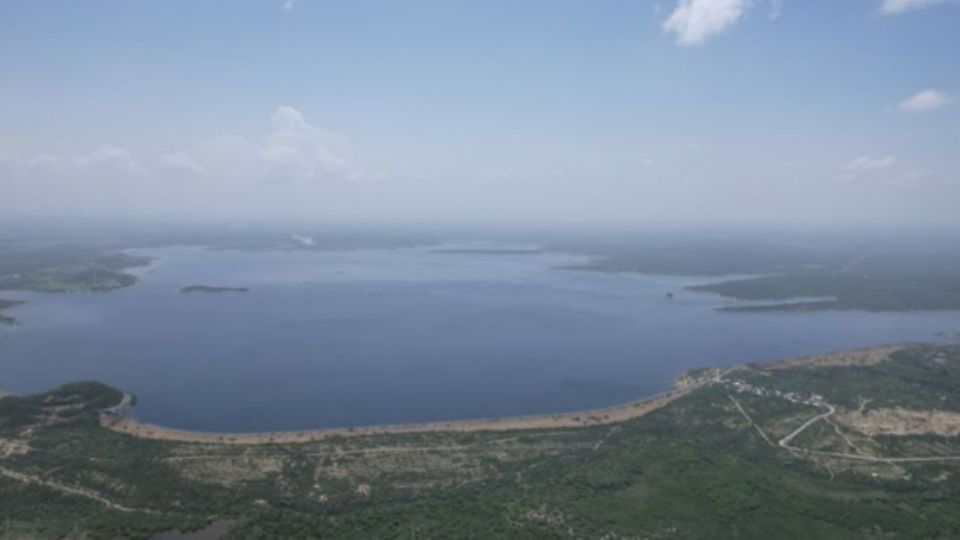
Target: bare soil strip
<point>785,443</point>
<point>856,357</point>
<point>846,439</point>
<point>750,420</point>
<point>900,422</point>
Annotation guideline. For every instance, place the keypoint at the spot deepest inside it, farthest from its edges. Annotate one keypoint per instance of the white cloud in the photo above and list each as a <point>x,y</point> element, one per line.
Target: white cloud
<point>104,160</point>
<point>292,150</point>
<point>182,161</point>
<point>301,151</point>
<point>288,5</point>
<point>864,164</point>
<point>885,170</point>
<point>891,7</point>
<point>291,167</point>
<point>926,100</point>
<point>110,157</point>
<point>693,21</point>
<point>286,118</point>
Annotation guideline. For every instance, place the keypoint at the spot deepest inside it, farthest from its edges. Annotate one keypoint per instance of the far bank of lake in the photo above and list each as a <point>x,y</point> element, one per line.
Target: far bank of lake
<point>372,337</point>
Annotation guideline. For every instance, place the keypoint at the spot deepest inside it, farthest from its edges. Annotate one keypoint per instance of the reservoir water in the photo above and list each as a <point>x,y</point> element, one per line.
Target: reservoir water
<point>340,338</point>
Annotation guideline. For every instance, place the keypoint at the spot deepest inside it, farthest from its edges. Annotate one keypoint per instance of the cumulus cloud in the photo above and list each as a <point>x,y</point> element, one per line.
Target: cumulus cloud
<point>292,150</point>
<point>892,7</point>
<point>693,21</point>
<point>292,167</point>
<point>927,100</point>
<point>296,150</point>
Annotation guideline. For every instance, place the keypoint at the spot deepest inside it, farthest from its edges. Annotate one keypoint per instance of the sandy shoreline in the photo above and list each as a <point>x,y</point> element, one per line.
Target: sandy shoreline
<point>854,357</point>
<point>117,418</point>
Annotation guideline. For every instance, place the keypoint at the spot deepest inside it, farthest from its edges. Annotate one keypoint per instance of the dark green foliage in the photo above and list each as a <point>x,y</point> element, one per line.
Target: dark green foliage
<point>75,403</point>
<point>874,271</point>
<point>875,291</point>
<point>920,377</point>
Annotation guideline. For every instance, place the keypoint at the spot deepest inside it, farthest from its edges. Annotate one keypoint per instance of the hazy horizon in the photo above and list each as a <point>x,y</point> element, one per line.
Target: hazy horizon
<point>562,112</point>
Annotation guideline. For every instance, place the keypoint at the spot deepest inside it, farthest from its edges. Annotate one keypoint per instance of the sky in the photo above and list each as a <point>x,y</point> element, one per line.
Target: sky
<point>538,111</point>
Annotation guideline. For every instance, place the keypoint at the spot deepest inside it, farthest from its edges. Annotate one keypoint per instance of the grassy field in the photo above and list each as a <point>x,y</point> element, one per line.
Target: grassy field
<point>706,465</point>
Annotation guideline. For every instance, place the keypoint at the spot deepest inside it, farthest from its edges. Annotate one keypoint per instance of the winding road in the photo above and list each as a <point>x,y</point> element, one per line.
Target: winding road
<point>785,443</point>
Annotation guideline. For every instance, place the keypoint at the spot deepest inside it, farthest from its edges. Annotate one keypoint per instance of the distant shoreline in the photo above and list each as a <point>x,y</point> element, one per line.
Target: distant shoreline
<point>117,418</point>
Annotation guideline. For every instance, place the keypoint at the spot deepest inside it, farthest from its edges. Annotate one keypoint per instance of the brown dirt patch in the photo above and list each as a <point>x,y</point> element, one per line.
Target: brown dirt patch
<point>858,357</point>
<point>901,422</point>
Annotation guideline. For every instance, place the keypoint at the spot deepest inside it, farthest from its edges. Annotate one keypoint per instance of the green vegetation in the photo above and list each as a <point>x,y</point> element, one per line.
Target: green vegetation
<point>883,272</point>
<point>68,272</point>
<point>866,290</point>
<point>210,289</point>
<point>865,270</point>
<point>707,465</point>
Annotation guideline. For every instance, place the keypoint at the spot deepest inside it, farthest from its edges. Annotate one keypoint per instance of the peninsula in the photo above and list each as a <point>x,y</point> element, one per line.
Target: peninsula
<point>753,450</point>
<point>6,304</point>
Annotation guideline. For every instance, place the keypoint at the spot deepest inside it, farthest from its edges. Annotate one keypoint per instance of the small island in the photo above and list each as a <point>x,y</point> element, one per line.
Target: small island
<point>210,289</point>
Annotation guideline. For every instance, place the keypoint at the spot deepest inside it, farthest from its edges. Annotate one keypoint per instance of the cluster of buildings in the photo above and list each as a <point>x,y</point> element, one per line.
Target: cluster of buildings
<point>814,400</point>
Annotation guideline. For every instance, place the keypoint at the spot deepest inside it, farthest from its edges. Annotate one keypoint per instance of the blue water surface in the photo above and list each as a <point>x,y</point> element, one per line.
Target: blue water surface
<point>363,337</point>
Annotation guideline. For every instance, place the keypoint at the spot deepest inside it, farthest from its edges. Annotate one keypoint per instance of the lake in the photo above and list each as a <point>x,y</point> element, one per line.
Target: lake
<point>362,337</point>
